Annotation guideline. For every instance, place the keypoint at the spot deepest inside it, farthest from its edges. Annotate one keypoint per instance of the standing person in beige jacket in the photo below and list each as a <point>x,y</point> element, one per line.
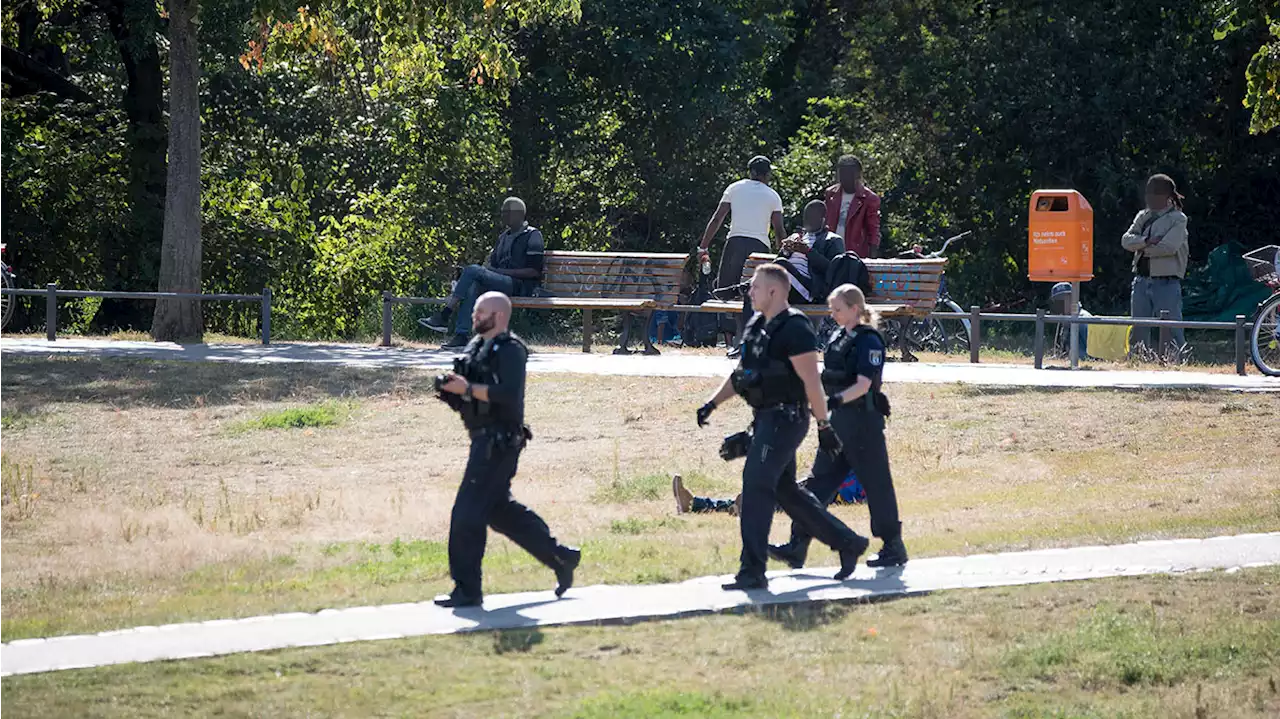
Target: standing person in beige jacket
<point>1158,241</point>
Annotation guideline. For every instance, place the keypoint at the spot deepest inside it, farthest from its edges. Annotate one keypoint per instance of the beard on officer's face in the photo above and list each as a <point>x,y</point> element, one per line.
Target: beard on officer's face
<point>484,324</point>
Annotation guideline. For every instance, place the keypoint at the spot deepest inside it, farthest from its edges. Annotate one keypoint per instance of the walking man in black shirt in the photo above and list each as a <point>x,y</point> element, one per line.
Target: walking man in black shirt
<point>487,389</point>
<point>778,376</point>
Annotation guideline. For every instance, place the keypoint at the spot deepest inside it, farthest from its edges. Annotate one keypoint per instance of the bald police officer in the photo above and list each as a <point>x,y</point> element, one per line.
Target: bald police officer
<point>487,389</point>
<point>778,376</point>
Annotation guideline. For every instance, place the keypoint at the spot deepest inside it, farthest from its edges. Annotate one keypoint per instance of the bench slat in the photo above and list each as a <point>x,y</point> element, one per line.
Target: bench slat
<point>573,254</point>
<point>585,303</point>
<point>885,309</point>
<point>671,275</point>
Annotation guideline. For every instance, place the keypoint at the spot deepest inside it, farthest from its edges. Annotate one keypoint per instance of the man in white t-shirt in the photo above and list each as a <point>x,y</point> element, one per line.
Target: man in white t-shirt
<point>754,208</point>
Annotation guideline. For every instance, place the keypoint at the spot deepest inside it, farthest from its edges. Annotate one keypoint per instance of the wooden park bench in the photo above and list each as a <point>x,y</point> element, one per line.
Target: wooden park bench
<point>899,288</point>
<point>633,283</point>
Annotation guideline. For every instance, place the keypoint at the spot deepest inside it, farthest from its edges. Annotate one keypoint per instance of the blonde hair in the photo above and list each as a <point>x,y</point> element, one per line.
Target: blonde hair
<point>853,296</point>
<point>774,272</point>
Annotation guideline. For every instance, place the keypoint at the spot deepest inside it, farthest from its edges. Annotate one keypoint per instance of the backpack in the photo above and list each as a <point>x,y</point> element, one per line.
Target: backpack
<point>700,329</point>
<point>848,268</point>
<point>850,491</point>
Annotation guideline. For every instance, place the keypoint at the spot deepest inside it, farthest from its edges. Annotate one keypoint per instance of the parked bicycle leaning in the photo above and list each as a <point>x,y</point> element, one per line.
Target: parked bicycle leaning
<point>6,300</point>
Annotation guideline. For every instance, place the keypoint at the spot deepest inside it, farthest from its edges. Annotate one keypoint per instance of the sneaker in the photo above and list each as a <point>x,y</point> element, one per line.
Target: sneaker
<point>734,352</point>
<point>684,498</point>
<point>438,321</point>
<point>459,341</point>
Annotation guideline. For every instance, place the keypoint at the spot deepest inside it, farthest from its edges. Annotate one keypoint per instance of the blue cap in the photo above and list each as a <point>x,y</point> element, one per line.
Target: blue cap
<point>1060,289</point>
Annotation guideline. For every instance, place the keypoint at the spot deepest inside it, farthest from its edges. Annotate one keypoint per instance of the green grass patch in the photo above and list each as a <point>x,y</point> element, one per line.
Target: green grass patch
<point>325,414</point>
<point>1124,647</point>
<point>635,526</point>
<point>663,704</point>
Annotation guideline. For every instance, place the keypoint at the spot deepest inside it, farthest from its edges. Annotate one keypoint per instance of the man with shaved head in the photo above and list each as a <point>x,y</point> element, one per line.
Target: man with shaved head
<point>778,376</point>
<point>487,389</point>
<point>514,267</point>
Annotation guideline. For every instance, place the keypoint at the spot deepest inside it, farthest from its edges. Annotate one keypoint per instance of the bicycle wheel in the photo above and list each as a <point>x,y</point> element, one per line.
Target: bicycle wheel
<point>1265,340</point>
<point>954,333</point>
<point>6,309</point>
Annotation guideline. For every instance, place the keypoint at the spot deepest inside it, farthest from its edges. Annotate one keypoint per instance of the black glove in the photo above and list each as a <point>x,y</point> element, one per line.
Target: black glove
<point>704,413</point>
<point>834,401</point>
<point>828,441</point>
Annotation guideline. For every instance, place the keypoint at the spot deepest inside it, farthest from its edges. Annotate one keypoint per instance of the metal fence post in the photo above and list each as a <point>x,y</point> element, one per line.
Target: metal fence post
<point>266,315</point>
<point>1040,339</point>
<point>386,319</point>
<point>1240,345</point>
<point>1164,334</point>
<point>51,311</point>
<point>975,325</point>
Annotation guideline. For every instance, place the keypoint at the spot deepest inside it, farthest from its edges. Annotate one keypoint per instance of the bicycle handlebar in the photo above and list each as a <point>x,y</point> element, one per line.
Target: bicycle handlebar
<point>946,244</point>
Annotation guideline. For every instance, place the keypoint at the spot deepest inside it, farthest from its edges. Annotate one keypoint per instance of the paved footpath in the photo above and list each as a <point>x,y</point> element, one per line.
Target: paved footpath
<point>666,365</point>
<point>621,604</point>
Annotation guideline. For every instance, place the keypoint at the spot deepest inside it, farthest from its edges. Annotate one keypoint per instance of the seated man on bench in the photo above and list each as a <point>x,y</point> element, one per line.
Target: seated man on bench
<point>806,257</point>
<point>514,268</point>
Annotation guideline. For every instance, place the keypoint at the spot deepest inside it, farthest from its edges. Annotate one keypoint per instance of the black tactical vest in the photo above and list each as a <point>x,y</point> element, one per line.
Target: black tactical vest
<point>840,371</point>
<point>765,378</point>
<point>839,363</point>
<point>478,364</point>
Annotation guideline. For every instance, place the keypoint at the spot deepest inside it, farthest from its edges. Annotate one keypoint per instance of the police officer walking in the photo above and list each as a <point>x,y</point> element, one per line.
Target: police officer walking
<point>778,376</point>
<point>851,377</point>
<point>487,389</point>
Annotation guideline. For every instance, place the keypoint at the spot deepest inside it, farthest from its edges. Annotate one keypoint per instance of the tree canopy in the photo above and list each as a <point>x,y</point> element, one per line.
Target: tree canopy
<point>353,147</point>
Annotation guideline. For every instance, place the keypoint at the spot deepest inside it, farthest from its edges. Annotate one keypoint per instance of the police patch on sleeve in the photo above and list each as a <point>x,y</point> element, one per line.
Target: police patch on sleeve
<point>876,357</point>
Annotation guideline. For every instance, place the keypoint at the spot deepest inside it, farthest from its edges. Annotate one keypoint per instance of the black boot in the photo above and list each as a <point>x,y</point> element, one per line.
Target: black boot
<point>892,554</point>
<point>438,321</point>
<point>849,557</point>
<point>569,558</point>
<point>746,583</point>
<point>454,599</point>
<point>787,554</point>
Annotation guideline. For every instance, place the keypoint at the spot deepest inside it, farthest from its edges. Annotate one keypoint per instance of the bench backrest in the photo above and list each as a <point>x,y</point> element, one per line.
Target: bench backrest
<point>614,275</point>
<point>893,282</point>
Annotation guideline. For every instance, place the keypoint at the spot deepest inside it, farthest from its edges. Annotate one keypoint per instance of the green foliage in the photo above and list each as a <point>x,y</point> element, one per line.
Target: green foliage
<point>352,148</point>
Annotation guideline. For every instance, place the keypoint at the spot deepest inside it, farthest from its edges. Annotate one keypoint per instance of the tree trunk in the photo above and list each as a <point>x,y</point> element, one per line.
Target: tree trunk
<point>133,262</point>
<point>181,320</point>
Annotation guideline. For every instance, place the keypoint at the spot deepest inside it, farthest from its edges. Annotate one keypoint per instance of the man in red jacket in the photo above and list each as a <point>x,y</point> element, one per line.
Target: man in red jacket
<point>853,210</point>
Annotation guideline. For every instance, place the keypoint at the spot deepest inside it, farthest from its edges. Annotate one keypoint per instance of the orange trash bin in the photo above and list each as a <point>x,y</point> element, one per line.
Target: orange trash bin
<point>1059,237</point>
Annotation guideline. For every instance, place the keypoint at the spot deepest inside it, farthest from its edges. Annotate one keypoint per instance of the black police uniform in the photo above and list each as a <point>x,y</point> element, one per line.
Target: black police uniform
<point>498,434</point>
<point>768,382</point>
<point>860,426</point>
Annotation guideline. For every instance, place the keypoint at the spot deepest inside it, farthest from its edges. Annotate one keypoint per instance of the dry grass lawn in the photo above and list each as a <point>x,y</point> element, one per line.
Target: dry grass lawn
<point>143,492</point>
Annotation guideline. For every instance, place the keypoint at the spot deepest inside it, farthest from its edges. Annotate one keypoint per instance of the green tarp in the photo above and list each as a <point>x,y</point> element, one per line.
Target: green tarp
<point>1222,288</point>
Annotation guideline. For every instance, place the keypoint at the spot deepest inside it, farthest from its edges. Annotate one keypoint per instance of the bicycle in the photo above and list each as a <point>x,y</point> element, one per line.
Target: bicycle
<point>6,300</point>
<point>1264,341</point>
<point>932,334</point>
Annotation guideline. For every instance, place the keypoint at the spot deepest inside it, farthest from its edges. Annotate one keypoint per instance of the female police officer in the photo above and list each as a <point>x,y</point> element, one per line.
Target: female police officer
<point>778,376</point>
<point>851,377</point>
